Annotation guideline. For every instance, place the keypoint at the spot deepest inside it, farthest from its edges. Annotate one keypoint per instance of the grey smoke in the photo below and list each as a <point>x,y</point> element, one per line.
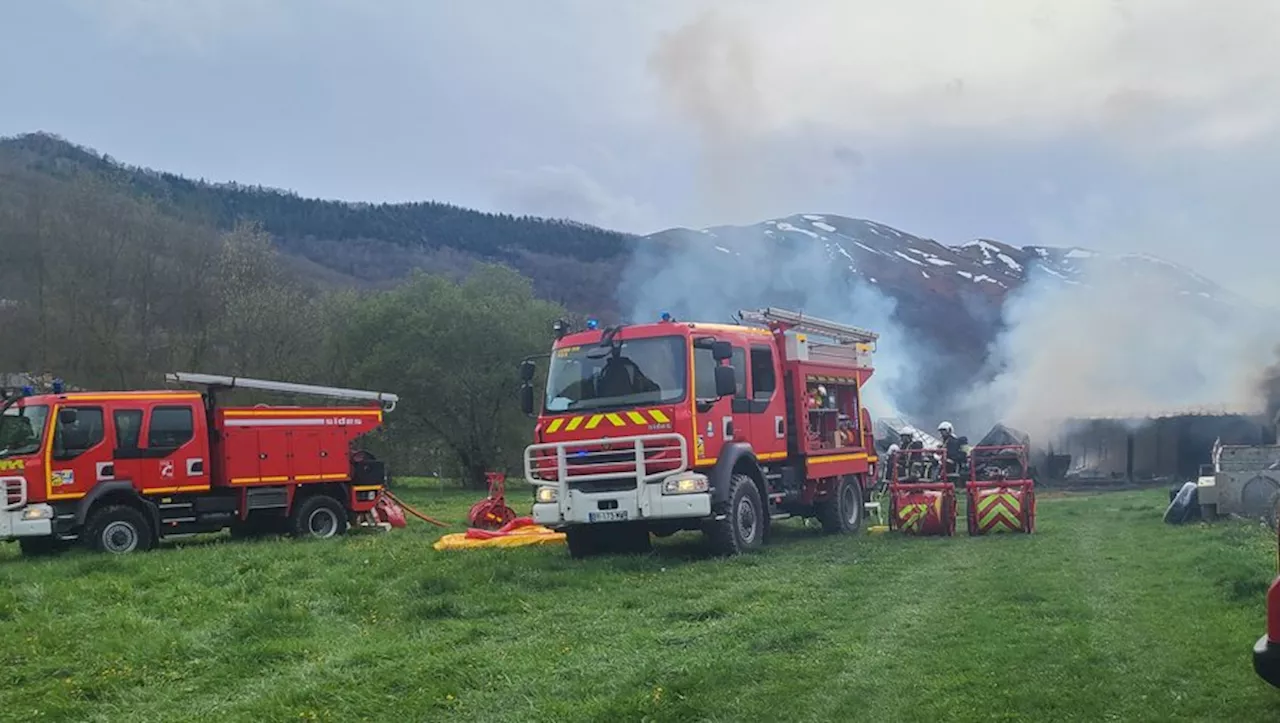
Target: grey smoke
<point>688,274</point>
<point>1129,340</point>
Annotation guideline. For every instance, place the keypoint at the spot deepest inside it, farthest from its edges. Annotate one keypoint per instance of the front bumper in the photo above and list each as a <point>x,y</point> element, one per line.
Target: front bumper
<point>18,523</point>
<point>644,503</point>
<point>1266,660</point>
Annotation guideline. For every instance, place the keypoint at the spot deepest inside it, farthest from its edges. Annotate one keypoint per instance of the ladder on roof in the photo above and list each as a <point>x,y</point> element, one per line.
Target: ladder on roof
<point>219,381</point>
<point>792,320</point>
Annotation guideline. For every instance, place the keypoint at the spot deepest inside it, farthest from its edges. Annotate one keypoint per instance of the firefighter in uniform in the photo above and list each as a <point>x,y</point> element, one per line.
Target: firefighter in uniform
<point>953,448</point>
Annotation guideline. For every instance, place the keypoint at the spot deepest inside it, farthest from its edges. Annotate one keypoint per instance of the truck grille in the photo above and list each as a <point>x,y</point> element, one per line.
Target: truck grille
<point>15,492</point>
<point>629,460</point>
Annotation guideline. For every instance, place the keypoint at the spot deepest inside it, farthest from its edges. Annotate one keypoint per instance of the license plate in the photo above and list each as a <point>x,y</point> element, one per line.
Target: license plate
<point>607,516</point>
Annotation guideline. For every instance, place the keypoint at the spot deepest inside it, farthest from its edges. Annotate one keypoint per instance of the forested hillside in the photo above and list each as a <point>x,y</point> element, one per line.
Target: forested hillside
<point>355,243</point>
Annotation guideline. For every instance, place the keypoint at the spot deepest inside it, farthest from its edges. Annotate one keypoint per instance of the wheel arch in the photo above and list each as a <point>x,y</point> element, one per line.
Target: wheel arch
<point>117,492</point>
<point>737,458</point>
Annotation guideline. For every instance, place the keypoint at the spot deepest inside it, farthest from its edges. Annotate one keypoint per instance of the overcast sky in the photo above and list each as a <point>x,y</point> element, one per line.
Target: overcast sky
<point>1131,125</point>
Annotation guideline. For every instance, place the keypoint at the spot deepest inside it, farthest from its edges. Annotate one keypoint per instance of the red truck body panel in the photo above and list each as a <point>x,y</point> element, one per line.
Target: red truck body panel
<point>279,445</point>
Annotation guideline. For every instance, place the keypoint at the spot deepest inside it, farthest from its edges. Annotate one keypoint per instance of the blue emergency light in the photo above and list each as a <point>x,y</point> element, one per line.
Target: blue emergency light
<point>666,316</point>
<point>57,386</point>
<point>28,390</point>
<point>592,323</point>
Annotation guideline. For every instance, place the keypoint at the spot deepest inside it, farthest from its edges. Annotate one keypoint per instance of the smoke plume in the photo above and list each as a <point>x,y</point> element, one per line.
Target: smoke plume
<point>710,276</point>
<point>1128,340</point>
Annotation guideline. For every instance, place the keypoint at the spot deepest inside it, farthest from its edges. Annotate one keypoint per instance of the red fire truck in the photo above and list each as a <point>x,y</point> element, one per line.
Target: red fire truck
<point>667,426</point>
<point>118,471</point>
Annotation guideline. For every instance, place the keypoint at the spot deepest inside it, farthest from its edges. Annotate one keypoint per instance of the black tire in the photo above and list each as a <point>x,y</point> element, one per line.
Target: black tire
<point>119,530</point>
<point>843,514</point>
<point>745,523</point>
<point>40,546</point>
<point>582,540</point>
<point>318,517</point>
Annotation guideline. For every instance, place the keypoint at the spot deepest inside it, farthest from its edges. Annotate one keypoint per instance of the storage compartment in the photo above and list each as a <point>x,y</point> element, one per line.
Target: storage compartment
<point>832,413</point>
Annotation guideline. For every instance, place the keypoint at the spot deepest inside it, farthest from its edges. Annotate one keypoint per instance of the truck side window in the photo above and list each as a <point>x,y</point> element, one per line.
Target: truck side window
<point>72,440</point>
<point>704,373</point>
<point>739,362</point>
<point>762,378</point>
<point>171,427</point>
<point>128,427</point>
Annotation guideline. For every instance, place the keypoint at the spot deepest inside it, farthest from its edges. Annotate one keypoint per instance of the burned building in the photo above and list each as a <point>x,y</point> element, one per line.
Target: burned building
<point>1149,446</point>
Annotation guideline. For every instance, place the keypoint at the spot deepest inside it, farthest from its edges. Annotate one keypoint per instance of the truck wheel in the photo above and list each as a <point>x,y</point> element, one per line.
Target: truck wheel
<point>319,517</point>
<point>843,514</point>
<point>583,541</point>
<point>743,526</point>
<point>118,529</point>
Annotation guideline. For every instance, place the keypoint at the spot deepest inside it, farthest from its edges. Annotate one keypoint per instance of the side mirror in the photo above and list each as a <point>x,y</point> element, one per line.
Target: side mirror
<point>726,382</point>
<point>526,371</point>
<point>721,350</point>
<point>67,416</point>
<point>526,399</point>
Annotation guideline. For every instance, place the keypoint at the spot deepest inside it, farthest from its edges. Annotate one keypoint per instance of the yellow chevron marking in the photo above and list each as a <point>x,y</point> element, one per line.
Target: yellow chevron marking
<point>1001,515</point>
<point>637,417</point>
<point>913,515</point>
<point>574,423</point>
<point>555,425</point>
<point>615,420</point>
<point>658,416</point>
<point>595,421</point>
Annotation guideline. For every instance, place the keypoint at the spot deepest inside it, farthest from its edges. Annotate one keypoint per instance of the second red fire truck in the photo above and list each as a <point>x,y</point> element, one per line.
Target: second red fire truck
<point>119,471</point>
<point>667,426</point>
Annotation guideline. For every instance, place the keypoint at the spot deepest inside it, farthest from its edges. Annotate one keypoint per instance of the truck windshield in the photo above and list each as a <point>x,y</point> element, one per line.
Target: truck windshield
<point>634,372</point>
<point>22,429</point>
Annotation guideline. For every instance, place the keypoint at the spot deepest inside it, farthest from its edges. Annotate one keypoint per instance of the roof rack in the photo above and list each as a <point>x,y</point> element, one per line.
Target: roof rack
<point>792,320</point>
<point>387,399</point>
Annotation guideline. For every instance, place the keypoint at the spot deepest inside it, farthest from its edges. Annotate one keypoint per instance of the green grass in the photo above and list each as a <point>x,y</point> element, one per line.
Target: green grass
<point>1104,614</point>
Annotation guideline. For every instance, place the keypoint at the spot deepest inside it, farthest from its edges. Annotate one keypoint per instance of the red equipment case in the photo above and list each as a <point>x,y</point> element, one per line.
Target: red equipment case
<point>1001,494</point>
<point>918,503</point>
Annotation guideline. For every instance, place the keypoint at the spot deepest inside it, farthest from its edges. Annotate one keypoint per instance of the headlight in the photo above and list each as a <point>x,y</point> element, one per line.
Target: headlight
<point>685,485</point>
<point>545,494</point>
<point>38,512</point>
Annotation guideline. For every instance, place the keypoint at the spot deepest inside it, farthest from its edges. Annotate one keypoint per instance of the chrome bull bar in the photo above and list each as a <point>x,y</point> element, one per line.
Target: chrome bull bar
<point>644,458</point>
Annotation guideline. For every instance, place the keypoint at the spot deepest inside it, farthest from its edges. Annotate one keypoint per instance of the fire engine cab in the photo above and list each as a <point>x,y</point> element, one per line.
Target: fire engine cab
<point>667,426</point>
<point>118,471</point>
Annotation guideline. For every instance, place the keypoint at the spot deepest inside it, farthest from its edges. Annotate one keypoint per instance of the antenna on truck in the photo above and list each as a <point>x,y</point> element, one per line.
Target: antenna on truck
<point>387,399</point>
<point>792,320</point>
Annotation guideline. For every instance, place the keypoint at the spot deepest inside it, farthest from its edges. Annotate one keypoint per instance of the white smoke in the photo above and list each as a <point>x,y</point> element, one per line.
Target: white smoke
<point>1129,340</point>
<point>710,276</point>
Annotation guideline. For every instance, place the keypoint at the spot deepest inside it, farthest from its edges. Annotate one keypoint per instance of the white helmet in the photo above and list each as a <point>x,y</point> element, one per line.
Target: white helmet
<point>945,428</point>
<point>907,432</point>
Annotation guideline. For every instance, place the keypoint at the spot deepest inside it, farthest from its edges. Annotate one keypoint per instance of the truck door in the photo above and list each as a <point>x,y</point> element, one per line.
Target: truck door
<point>80,455</point>
<point>176,458</point>
<point>125,453</point>
<point>768,407</point>
<point>713,419</point>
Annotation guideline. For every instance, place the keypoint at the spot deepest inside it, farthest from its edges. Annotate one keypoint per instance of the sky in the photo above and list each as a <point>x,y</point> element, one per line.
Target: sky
<point>1147,126</point>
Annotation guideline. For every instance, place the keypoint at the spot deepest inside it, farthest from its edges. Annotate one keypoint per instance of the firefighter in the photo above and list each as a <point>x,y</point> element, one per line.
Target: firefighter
<point>954,454</point>
<point>907,441</point>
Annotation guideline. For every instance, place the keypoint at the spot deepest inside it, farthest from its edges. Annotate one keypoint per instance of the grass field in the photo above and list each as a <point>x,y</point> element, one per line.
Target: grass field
<point>1104,614</point>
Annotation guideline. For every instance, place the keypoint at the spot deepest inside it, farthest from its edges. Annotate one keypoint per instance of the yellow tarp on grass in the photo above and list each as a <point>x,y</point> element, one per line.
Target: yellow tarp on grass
<point>519,537</point>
